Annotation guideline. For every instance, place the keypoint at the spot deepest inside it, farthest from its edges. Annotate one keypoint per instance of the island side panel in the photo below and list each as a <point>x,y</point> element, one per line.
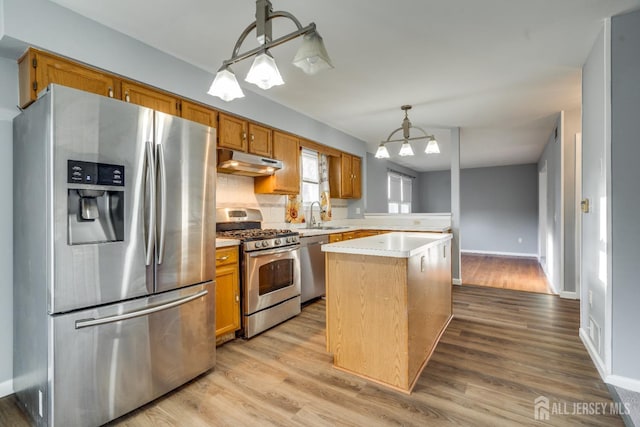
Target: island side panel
<point>366,316</point>
<point>429,303</point>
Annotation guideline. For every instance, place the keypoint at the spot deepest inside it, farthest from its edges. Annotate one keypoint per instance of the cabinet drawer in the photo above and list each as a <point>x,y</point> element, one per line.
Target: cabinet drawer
<point>226,256</point>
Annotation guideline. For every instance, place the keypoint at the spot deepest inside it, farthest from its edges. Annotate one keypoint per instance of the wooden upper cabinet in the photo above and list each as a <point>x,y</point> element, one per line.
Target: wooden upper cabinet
<point>199,113</point>
<point>151,98</point>
<point>232,132</point>
<point>38,69</point>
<point>345,176</point>
<point>260,140</point>
<point>287,180</point>
<point>356,170</point>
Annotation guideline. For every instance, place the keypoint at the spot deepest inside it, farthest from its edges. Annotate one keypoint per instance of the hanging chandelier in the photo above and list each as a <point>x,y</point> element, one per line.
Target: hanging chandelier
<point>405,148</point>
<point>310,58</point>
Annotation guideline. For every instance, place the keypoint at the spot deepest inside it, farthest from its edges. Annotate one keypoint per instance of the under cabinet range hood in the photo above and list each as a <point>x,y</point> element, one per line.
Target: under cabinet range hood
<point>239,163</point>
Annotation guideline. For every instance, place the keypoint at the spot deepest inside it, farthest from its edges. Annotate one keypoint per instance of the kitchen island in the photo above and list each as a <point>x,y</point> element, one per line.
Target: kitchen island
<point>388,303</point>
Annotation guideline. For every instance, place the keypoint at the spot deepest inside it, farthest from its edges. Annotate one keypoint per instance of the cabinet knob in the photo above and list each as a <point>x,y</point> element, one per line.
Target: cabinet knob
<point>253,138</point>
<point>110,92</point>
<point>237,298</point>
<point>126,97</point>
<point>244,136</point>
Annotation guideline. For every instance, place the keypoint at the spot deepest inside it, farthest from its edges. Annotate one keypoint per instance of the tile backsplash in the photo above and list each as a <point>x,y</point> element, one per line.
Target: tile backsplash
<point>237,191</point>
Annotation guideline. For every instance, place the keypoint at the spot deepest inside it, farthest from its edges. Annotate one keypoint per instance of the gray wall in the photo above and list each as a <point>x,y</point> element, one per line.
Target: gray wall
<point>377,187</point>
<point>8,100</point>
<point>571,124</point>
<point>498,206</point>
<point>625,196</point>
<point>435,191</point>
<point>46,25</point>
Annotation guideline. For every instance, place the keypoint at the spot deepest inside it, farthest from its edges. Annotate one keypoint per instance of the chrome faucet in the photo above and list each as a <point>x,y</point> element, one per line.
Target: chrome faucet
<point>312,220</point>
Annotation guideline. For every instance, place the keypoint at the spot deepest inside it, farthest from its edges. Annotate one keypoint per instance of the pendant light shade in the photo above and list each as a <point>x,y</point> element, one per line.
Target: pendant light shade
<point>432,147</point>
<point>405,128</point>
<point>264,72</point>
<point>225,86</point>
<point>405,149</point>
<point>312,56</point>
<point>382,152</point>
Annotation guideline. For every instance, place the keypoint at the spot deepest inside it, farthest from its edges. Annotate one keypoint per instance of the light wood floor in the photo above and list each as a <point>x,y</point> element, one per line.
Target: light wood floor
<point>520,274</point>
<point>502,350</point>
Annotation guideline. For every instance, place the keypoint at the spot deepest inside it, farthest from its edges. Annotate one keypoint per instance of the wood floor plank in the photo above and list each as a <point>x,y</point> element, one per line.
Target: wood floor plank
<point>516,273</point>
<point>502,350</point>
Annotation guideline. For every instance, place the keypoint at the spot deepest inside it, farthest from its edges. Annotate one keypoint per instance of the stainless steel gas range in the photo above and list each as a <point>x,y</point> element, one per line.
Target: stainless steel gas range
<point>269,265</point>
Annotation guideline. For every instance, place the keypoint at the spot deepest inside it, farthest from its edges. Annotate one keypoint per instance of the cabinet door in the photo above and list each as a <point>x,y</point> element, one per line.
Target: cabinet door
<point>199,113</point>
<point>40,69</point>
<point>232,133</point>
<point>356,181</point>
<point>151,98</point>
<point>346,174</point>
<point>260,140</point>
<point>286,180</point>
<point>227,300</point>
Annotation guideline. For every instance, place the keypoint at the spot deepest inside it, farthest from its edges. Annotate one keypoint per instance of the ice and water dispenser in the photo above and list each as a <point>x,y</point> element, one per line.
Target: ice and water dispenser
<point>95,202</point>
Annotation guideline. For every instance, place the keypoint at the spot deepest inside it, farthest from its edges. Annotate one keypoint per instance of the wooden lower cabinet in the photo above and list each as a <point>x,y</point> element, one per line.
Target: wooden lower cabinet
<point>227,293</point>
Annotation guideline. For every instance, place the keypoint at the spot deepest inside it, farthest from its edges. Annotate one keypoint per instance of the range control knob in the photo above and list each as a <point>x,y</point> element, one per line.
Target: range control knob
<point>277,241</point>
<point>289,239</point>
<point>265,243</point>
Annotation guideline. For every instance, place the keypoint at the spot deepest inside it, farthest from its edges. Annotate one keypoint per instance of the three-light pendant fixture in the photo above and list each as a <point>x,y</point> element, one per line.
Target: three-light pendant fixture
<point>310,58</point>
<point>405,148</point>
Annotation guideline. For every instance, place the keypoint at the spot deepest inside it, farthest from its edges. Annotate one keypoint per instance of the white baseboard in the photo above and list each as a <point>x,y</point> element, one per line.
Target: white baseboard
<point>569,295</point>
<point>6,388</point>
<point>595,357</point>
<point>457,282</point>
<point>513,254</point>
<point>624,382</point>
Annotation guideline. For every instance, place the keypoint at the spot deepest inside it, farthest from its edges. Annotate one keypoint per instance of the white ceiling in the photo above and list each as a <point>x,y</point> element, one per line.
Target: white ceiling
<point>500,70</point>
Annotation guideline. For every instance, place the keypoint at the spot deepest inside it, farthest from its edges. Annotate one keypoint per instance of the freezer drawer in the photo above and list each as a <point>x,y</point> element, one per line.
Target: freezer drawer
<point>110,360</point>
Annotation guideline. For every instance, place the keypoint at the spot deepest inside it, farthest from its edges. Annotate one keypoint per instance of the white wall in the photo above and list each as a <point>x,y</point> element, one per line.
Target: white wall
<point>572,124</point>
<point>8,100</point>
<point>551,159</point>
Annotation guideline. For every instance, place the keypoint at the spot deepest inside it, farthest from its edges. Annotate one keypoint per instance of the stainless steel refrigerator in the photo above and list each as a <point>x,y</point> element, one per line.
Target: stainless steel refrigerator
<point>114,233</point>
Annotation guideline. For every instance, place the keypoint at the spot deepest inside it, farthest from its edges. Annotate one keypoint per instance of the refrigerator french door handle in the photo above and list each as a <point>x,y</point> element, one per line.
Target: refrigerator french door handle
<point>85,323</point>
<point>150,174</point>
<point>163,203</point>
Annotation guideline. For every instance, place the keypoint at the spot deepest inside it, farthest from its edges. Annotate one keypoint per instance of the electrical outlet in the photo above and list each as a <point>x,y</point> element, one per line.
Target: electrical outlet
<point>519,239</point>
<point>357,211</point>
<point>590,298</point>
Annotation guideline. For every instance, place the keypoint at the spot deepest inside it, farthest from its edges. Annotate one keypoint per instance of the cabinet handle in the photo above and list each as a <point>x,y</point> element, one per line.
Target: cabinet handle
<point>444,251</point>
<point>422,263</point>
<point>126,97</point>
<point>110,93</point>
<point>223,258</point>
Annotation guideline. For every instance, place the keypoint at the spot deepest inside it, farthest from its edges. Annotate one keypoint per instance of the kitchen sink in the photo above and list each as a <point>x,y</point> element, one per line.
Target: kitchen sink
<point>327,227</point>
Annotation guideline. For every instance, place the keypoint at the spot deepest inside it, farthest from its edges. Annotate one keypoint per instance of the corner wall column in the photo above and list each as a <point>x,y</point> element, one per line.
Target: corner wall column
<point>455,206</point>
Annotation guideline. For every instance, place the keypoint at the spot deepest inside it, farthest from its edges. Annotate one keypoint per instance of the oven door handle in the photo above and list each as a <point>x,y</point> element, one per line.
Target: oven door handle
<point>273,252</point>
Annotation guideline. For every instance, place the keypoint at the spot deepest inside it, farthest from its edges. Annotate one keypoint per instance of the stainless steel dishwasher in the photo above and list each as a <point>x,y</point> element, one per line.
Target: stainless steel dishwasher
<point>312,267</point>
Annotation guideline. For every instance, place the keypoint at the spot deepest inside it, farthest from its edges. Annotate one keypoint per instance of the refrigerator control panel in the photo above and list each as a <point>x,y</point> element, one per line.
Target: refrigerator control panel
<point>79,172</point>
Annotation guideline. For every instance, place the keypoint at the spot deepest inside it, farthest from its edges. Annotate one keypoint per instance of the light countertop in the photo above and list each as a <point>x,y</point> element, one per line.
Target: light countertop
<point>394,245</point>
<point>223,243</point>
<point>344,229</point>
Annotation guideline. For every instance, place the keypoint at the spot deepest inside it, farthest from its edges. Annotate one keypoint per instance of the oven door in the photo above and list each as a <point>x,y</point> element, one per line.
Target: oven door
<point>271,276</point>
